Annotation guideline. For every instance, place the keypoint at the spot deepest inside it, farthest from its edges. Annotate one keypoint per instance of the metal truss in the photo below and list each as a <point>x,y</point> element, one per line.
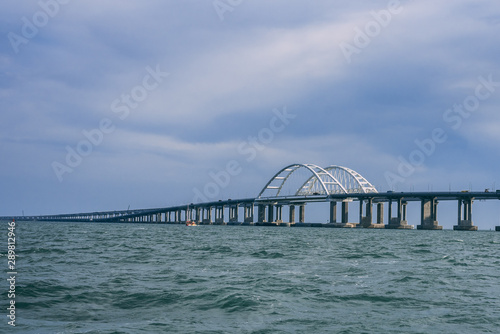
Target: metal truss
<point>354,182</point>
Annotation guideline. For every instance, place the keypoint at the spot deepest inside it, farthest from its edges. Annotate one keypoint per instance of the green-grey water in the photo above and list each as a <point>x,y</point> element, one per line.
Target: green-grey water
<point>131,278</point>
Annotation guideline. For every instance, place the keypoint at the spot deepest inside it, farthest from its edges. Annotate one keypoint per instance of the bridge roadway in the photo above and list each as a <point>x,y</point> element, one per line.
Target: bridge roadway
<point>269,211</point>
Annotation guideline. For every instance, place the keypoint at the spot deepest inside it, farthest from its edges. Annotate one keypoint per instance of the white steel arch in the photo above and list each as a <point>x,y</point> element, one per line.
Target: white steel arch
<point>352,180</point>
<point>323,181</point>
<point>320,182</point>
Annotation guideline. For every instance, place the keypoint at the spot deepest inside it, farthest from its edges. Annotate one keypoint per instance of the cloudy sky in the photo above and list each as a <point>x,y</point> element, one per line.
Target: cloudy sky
<point>107,104</point>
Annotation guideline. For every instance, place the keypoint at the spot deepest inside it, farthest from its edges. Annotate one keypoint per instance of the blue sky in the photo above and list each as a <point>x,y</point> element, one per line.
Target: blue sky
<point>170,92</point>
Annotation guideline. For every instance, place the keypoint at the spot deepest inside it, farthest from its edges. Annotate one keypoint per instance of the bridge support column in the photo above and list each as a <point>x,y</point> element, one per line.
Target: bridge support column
<point>302,213</point>
<point>233,214</point>
<point>279,213</point>
<point>189,214</point>
<point>333,212</point>
<point>270,213</point>
<point>207,220</point>
<point>345,212</point>
<point>380,213</point>
<point>361,202</point>
<point>344,216</point>
<point>199,215</point>
<point>292,214</point>
<point>465,221</point>
<point>367,220</point>
<point>428,216</point>
<point>219,215</point>
<point>261,213</point>
<point>249,209</point>
<point>400,221</point>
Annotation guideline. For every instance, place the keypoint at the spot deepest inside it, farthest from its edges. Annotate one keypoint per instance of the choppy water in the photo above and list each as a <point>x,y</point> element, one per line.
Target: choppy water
<point>125,278</point>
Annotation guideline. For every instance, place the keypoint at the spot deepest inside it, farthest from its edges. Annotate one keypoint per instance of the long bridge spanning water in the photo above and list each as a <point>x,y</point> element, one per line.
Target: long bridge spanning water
<point>294,187</point>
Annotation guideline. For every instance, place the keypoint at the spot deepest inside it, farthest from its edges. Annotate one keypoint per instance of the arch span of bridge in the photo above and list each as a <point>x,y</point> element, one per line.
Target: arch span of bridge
<point>321,181</point>
<point>294,186</point>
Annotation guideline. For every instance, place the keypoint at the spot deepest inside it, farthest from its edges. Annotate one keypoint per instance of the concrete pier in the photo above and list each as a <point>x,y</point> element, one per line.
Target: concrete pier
<point>400,221</point>
<point>344,216</point>
<point>270,213</point>
<point>261,215</point>
<point>292,214</point>
<point>465,220</point>
<point>219,215</point>
<point>302,213</point>
<point>345,212</point>
<point>366,221</point>
<point>333,212</point>
<point>380,213</point>
<point>207,219</point>
<point>428,217</point>
<point>199,215</point>
<point>233,213</point>
<point>279,214</point>
<point>249,211</point>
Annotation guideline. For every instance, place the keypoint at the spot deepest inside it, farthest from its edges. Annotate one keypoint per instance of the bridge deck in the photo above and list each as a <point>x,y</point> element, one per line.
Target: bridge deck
<point>282,200</point>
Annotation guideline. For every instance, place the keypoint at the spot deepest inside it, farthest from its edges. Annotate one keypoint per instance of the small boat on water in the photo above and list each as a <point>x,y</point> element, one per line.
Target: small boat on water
<point>191,223</point>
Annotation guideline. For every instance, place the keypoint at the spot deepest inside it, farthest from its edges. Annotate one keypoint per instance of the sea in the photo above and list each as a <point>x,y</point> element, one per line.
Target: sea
<point>146,278</point>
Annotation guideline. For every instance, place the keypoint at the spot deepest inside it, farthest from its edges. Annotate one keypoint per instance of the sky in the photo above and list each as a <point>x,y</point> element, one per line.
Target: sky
<point>144,104</point>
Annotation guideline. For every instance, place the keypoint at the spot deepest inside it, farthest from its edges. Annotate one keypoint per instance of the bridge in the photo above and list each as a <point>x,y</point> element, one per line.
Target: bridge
<point>294,187</point>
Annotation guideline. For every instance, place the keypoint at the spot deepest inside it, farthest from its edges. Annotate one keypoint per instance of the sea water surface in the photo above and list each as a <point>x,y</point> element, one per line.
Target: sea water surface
<point>132,278</point>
